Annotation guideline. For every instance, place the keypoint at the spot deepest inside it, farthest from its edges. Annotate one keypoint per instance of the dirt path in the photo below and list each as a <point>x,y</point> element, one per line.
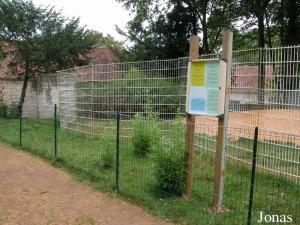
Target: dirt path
<point>33,192</point>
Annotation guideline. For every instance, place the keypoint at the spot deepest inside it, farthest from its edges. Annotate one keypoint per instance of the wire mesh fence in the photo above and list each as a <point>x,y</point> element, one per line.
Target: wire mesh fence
<point>265,88</point>
<point>129,88</point>
<point>149,169</point>
<point>264,92</point>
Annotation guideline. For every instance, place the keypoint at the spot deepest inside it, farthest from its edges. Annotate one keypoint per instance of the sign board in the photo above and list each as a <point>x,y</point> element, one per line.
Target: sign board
<point>206,87</point>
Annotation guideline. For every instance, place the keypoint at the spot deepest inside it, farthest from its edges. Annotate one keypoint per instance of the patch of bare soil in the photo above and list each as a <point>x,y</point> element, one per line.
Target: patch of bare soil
<point>33,192</point>
<point>284,125</point>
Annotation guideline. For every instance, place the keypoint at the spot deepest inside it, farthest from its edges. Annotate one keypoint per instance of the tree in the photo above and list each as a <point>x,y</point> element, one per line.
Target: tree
<point>287,19</point>
<point>109,42</point>
<point>244,39</point>
<point>178,25</point>
<point>159,26</point>
<point>44,39</point>
<point>254,12</point>
<point>213,17</point>
<point>166,37</point>
<point>276,22</point>
<point>166,25</point>
<point>257,9</point>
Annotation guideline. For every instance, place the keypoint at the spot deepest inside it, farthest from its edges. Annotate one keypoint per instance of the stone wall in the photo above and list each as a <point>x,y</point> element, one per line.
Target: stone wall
<point>41,95</point>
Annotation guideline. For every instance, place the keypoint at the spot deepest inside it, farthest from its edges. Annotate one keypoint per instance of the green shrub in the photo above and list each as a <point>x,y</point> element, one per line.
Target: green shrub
<point>3,110</point>
<point>170,172</point>
<point>107,149</point>
<point>108,146</point>
<point>170,163</point>
<point>13,112</point>
<point>108,159</point>
<point>145,134</point>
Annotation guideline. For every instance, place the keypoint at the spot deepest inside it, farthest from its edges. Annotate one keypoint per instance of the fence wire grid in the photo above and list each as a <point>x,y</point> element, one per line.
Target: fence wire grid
<point>150,97</point>
<point>148,165</point>
<point>265,92</point>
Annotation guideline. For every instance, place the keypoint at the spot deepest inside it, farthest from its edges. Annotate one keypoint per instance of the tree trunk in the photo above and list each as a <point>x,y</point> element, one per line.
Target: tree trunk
<point>282,23</point>
<point>205,36</point>
<point>195,22</point>
<point>204,29</point>
<point>289,77</point>
<point>261,30</point>
<point>261,67</point>
<point>205,39</point>
<point>293,39</point>
<point>268,31</point>
<point>292,28</point>
<point>24,88</point>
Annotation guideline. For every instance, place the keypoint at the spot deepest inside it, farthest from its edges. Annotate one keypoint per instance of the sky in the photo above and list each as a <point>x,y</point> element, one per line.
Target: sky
<point>99,15</point>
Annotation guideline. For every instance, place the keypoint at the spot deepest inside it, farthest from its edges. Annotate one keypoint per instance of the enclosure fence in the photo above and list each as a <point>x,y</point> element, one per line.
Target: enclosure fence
<point>265,88</point>
<point>142,159</point>
<point>264,93</point>
<point>85,134</point>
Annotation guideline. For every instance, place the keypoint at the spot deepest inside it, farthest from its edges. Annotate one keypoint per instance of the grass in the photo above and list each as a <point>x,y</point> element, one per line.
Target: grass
<point>81,154</point>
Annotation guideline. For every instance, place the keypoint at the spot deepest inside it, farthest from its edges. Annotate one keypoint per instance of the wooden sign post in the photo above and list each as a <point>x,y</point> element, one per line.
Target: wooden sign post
<point>222,128</point>
<point>190,127</point>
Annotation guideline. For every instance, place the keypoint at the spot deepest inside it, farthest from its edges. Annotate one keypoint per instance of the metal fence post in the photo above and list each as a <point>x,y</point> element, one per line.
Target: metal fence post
<point>55,130</point>
<point>20,125</point>
<point>117,151</point>
<point>252,176</point>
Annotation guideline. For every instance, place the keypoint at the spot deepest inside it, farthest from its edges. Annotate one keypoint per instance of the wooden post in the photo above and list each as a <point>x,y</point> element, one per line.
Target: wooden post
<point>222,128</point>
<point>190,128</point>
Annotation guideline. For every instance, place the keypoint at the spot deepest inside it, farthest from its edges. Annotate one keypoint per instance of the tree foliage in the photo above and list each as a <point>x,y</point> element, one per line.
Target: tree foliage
<point>162,28</point>
<point>44,39</point>
<point>110,42</point>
